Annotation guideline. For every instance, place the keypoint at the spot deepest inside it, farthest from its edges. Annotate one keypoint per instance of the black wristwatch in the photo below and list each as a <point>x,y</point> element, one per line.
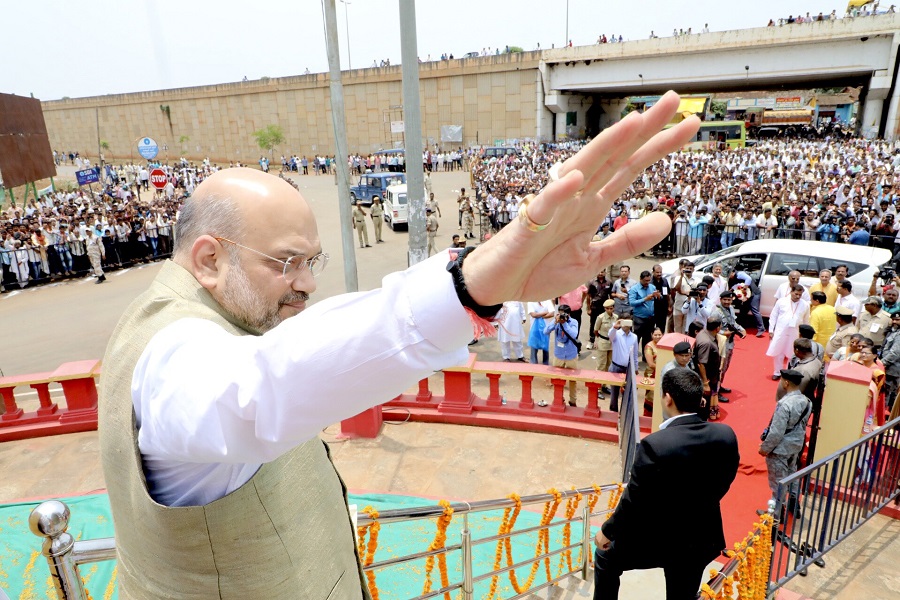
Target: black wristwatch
<point>454,267</point>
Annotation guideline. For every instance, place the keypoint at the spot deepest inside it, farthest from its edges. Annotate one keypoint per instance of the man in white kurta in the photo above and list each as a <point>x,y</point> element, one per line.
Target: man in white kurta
<point>784,327</point>
<point>511,330</point>
<point>785,288</point>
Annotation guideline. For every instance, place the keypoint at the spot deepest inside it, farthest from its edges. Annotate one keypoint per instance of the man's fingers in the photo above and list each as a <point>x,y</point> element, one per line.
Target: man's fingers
<point>542,208</point>
<point>630,240</point>
<point>663,143</point>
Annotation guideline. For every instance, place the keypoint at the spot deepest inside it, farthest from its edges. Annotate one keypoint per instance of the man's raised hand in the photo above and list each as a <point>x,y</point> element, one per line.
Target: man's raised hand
<point>520,264</point>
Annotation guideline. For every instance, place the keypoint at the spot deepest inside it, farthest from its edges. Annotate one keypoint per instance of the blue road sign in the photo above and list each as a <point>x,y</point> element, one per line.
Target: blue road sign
<point>148,148</point>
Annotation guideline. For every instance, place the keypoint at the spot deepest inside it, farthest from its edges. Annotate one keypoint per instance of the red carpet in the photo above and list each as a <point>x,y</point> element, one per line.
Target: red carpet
<point>748,413</point>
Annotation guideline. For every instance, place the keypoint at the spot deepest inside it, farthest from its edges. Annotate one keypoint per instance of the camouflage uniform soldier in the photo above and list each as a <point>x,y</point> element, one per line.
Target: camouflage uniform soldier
<point>783,439</point>
<point>468,218</point>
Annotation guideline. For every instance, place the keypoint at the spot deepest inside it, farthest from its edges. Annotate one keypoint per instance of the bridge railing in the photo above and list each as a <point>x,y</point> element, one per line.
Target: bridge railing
<point>819,506</point>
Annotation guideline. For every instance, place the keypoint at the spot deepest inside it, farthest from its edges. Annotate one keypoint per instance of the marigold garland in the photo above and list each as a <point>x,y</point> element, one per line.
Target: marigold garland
<point>752,573</point>
<point>440,540</point>
<point>367,551</point>
<point>510,514</point>
<point>593,498</point>
<point>565,559</point>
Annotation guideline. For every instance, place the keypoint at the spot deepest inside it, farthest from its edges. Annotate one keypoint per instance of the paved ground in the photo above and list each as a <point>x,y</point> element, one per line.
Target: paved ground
<point>48,325</point>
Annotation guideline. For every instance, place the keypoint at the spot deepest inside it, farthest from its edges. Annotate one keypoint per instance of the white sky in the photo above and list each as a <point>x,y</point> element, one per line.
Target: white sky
<point>56,48</point>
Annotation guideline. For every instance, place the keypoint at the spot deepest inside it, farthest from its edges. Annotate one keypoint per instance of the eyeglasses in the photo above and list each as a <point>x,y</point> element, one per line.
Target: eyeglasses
<point>294,265</point>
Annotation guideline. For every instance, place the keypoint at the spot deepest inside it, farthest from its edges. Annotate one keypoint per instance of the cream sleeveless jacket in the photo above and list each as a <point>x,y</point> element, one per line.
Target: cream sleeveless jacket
<point>285,534</point>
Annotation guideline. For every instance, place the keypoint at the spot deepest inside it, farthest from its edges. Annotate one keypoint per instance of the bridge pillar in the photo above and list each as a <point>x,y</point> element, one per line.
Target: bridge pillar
<point>892,127</point>
<point>873,107</point>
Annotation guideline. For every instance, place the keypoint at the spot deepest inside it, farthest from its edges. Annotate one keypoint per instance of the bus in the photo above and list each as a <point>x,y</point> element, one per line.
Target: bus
<point>718,135</point>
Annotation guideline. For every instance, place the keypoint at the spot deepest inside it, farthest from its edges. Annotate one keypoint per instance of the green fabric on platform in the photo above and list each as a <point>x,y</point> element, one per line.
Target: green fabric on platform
<point>24,574</point>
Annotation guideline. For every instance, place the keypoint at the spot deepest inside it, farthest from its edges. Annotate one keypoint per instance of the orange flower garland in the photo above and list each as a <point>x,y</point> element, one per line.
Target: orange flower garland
<point>440,540</point>
<point>510,515</point>
<point>367,551</point>
<point>565,559</point>
<point>752,574</point>
<point>593,498</point>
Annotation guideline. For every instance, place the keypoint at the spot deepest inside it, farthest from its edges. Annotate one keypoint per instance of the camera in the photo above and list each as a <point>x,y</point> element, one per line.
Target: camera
<point>693,294</point>
<point>887,274</point>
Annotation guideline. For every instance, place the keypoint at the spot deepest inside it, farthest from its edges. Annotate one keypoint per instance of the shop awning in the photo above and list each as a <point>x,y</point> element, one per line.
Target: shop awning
<point>692,105</point>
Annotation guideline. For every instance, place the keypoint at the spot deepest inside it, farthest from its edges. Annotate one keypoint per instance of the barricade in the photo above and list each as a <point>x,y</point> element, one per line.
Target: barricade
<point>504,408</point>
<point>77,380</point>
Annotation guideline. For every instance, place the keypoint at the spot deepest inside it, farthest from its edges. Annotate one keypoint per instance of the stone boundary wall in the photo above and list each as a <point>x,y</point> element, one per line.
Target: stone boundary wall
<point>492,97</point>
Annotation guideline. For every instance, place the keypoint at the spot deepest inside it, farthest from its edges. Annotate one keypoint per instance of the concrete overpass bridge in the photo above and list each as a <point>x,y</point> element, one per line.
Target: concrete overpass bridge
<point>593,81</point>
<point>502,97</point>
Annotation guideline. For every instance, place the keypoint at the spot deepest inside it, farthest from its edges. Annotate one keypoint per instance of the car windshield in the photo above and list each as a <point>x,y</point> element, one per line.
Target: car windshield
<point>718,254</point>
<point>401,198</point>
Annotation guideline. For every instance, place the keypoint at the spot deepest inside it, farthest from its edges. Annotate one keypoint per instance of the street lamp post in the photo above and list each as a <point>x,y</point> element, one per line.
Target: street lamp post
<point>347,27</point>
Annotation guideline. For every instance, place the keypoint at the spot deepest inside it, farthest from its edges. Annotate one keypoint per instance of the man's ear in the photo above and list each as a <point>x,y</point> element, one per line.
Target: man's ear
<point>208,261</point>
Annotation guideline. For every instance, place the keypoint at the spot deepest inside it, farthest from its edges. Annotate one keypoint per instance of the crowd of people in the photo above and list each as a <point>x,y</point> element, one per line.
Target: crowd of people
<point>90,230</point>
<point>829,190</point>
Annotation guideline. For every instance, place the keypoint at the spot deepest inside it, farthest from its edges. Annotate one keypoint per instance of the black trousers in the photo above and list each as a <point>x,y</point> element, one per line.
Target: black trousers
<point>643,328</point>
<point>683,575</point>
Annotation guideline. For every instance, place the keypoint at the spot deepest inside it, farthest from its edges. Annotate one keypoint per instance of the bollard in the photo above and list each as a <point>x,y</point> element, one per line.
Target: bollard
<point>50,520</point>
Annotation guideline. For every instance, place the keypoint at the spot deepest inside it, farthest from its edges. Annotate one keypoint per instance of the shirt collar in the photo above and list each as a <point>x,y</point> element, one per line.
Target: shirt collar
<point>668,421</point>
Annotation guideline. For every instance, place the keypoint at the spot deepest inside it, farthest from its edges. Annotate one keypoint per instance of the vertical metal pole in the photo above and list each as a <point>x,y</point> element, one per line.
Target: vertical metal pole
<point>412,133</point>
<point>50,520</point>
<point>351,283</point>
<point>586,542</point>
<point>468,586</point>
<point>347,26</point>
<point>566,42</point>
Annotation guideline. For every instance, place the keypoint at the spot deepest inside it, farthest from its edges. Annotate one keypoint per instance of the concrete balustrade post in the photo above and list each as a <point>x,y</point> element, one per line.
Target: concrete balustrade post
<point>494,398</point>
<point>424,394</point>
<point>11,411</point>
<point>47,406</point>
<point>843,413</point>
<point>458,397</point>
<point>593,404</point>
<point>559,388</point>
<point>526,401</point>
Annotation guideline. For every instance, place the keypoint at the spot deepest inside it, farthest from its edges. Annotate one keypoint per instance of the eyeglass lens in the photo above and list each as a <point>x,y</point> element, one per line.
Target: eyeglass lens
<point>295,265</point>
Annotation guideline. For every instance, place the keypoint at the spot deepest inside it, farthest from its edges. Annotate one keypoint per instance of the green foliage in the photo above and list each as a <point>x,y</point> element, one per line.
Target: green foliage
<point>104,145</point>
<point>718,108</point>
<point>629,108</point>
<point>184,139</point>
<point>269,137</point>
<point>515,49</point>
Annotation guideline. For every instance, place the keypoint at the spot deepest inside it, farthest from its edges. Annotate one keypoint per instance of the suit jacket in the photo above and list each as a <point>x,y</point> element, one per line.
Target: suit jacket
<point>670,509</point>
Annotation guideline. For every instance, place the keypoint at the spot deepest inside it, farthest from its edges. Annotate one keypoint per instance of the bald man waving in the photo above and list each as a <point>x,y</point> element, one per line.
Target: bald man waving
<point>218,378</point>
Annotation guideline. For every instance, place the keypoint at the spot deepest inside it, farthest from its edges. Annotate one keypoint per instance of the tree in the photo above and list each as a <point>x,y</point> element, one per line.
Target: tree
<point>718,108</point>
<point>270,137</point>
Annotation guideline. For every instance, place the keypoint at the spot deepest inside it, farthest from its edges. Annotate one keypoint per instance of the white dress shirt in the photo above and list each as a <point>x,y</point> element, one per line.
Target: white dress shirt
<point>211,407</point>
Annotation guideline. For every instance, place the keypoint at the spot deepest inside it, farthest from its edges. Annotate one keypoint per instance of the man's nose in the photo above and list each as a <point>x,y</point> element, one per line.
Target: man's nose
<point>305,282</point>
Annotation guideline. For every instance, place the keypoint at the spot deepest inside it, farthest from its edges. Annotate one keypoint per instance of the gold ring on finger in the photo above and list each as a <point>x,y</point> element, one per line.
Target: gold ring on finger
<point>525,220</point>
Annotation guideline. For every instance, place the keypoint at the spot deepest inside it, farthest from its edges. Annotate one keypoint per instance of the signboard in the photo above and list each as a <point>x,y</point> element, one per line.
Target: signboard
<point>745,103</point>
<point>788,102</point>
<point>87,176</point>
<point>158,178</point>
<point>148,148</point>
<point>451,133</point>
<point>397,127</point>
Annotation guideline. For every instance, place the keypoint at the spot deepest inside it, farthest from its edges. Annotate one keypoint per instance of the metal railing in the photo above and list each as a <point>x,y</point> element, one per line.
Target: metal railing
<point>65,555</point>
<point>819,506</point>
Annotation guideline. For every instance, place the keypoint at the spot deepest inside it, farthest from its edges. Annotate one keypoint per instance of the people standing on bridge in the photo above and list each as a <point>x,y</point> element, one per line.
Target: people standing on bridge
<point>687,454</point>
<point>377,215</point>
<point>359,223</point>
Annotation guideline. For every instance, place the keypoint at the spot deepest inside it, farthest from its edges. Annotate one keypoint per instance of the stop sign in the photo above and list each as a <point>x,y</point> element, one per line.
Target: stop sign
<point>158,178</point>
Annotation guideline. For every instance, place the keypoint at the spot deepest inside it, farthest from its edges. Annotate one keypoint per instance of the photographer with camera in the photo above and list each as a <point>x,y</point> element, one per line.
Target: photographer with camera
<point>565,345</point>
<point>697,308</point>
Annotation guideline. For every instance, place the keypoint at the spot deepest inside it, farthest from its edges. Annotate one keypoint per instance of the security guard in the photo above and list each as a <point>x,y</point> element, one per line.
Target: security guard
<point>873,321</point>
<point>601,333</point>
<point>845,329</point>
<point>431,227</point>
<point>783,439</point>
<point>377,214</point>
<point>359,223</point>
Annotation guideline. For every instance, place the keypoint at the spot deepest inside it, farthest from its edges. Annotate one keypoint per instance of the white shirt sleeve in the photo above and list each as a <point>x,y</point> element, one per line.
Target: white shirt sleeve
<point>202,395</point>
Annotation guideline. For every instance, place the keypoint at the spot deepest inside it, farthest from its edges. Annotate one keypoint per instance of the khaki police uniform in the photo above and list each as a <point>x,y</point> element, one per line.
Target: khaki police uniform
<point>377,213</point>
<point>359,223</point>
<point>602,325</point>
<point>431,227</point>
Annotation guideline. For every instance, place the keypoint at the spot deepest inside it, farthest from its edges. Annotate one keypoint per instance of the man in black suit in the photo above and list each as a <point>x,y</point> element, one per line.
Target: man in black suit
<point>669,515</point>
